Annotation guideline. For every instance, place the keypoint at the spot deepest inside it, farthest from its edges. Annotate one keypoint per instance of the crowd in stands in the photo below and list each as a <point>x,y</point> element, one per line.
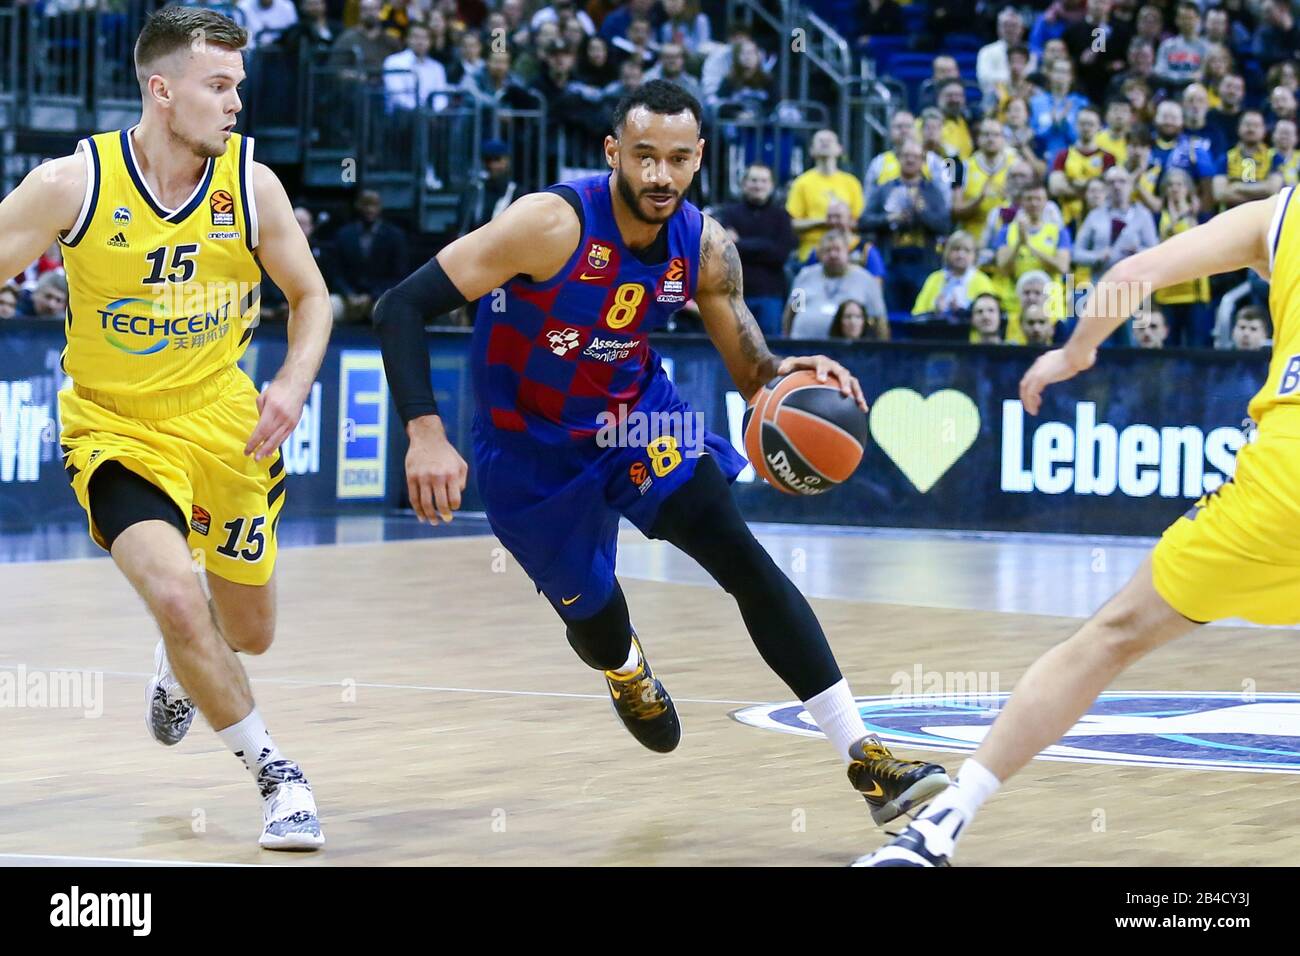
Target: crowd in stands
<point>1080,133</point>
<point>1089,131</point>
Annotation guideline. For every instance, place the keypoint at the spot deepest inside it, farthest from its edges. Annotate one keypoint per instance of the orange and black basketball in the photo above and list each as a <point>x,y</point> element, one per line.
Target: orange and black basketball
<point>804,437</point>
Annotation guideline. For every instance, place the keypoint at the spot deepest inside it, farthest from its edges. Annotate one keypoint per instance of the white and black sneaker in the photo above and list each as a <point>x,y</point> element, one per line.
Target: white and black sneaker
<point>929,841</point>
<point>289,819</point>
<point>168,709</point>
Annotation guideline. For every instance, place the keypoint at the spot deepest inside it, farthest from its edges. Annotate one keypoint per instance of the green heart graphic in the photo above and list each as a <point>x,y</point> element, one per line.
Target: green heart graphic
<point>924,437</point>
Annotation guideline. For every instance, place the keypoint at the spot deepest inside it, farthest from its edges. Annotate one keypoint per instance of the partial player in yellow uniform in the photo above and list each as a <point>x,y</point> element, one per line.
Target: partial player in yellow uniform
<point>170,448</point>
<point>1236,554</point>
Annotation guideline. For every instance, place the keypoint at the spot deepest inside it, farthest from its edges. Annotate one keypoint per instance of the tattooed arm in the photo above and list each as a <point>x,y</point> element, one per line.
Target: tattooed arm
<point>721,298</point>
<point>720,295</point>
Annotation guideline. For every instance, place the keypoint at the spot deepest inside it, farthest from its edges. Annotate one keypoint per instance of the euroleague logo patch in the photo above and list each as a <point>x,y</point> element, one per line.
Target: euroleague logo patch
<point>640,476</point>
<point>672,288</point>
<point>1258,733</point>
<point>200,519</point>
<point>222,205</point>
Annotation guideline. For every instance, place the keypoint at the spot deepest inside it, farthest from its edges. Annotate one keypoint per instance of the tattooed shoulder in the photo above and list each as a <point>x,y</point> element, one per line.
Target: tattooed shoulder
<point>708,237</point>
<point>719,260</point>
<point>733,274</point>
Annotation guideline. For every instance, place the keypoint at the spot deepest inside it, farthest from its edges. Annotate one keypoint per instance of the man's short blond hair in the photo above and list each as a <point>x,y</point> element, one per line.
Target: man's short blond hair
<point>177,28</point>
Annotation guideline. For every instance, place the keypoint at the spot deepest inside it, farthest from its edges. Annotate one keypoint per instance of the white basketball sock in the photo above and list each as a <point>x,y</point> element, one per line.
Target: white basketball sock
<point>251,742</point>
<point>836,713</point>
<point>975,783</point>
<point>629,666</point>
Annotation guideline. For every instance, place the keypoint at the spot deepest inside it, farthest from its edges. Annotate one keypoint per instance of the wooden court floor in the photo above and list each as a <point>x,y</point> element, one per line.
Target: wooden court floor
<point>432,699</point>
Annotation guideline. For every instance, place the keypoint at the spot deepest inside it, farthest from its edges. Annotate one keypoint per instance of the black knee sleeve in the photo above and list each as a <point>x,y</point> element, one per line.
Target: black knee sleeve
<point>701,518</point>
<point>602,640</point>
<point>120,498</point>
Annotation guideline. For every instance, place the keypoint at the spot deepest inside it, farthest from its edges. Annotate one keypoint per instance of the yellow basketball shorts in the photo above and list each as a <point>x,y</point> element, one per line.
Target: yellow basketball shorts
<point>1237,552</point>
<point>190,445</point>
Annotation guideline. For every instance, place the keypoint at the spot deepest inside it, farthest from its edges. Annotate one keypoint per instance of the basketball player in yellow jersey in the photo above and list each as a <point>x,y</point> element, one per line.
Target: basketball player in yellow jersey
<point>169,447</point>
<point>1236,554</point>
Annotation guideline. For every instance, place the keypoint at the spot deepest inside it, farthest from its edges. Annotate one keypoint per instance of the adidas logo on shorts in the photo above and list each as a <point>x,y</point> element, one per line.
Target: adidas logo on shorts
<point>119,241</point>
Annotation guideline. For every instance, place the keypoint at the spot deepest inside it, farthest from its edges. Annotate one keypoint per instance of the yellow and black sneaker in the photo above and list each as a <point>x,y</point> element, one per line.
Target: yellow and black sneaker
<point>644,706</point>
<point>891,786</point>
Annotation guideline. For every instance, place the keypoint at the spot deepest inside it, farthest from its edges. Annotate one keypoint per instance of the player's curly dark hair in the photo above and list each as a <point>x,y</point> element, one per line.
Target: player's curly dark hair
<point>658,96</point>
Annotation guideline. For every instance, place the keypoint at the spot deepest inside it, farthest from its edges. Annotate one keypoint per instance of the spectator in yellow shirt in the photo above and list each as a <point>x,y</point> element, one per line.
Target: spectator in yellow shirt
<point>956,135</point>
<point>984,183</point>
<point>949,292</point>
<point>1286,161</point>
<point>811,194</point>
<point>1113,138</point>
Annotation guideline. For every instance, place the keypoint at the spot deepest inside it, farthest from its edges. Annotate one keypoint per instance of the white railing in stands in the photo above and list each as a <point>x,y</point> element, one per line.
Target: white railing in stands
<point>808,50</point>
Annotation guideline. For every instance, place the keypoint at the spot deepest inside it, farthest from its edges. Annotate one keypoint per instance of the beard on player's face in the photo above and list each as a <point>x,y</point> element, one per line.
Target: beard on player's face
<point>632,197</point>
<point>204,147</point>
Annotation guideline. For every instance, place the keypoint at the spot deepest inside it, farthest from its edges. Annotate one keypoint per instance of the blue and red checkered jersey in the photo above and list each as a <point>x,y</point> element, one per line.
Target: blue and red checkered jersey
<point>549,357</point>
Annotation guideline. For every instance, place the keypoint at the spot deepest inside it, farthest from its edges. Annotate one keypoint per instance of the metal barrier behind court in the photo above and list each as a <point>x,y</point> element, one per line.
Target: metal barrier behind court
<point>578,152</point>
<point>811,55</point>
<point>827,52</point>
<point>778,139</point>
<point>274,107</point>
<point>334,118</point>
<point>389,159</point>
<point>115,91</point>
<point>873,101</point>
<point>450,147</point>
<point>56,82</point>
<point>8,67</point>
<point>524,133</point>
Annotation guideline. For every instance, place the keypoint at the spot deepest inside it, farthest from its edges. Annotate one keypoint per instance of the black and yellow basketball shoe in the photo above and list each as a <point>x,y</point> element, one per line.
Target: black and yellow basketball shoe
<point>891,786</point>
<point>644,706</point>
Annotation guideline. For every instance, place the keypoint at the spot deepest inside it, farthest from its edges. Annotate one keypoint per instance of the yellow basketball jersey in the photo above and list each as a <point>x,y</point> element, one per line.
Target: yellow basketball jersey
<point>1114,143</point>
<point>159,299</point>
<point>1283,385</point>
<point>976,177</point>
<point>1289,168</point>
<point>891,169</point>
<point>1080,166</point>
<point>1191,291</point>
<point>1046,239</point>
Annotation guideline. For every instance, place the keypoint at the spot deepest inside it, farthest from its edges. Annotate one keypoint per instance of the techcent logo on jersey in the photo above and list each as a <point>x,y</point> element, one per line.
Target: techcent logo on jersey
<point>152,332</point>
<point>182,316</point>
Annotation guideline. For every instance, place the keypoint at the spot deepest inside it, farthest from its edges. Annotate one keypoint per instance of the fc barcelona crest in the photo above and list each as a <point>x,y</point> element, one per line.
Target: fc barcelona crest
<point>598,256</point>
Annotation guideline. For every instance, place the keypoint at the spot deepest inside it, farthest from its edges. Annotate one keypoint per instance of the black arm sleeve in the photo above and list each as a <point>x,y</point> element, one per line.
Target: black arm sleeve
<point>400,315</point>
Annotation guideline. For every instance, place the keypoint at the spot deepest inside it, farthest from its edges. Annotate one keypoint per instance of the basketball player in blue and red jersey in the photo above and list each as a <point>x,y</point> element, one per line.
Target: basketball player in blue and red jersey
<point>570,281</point>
